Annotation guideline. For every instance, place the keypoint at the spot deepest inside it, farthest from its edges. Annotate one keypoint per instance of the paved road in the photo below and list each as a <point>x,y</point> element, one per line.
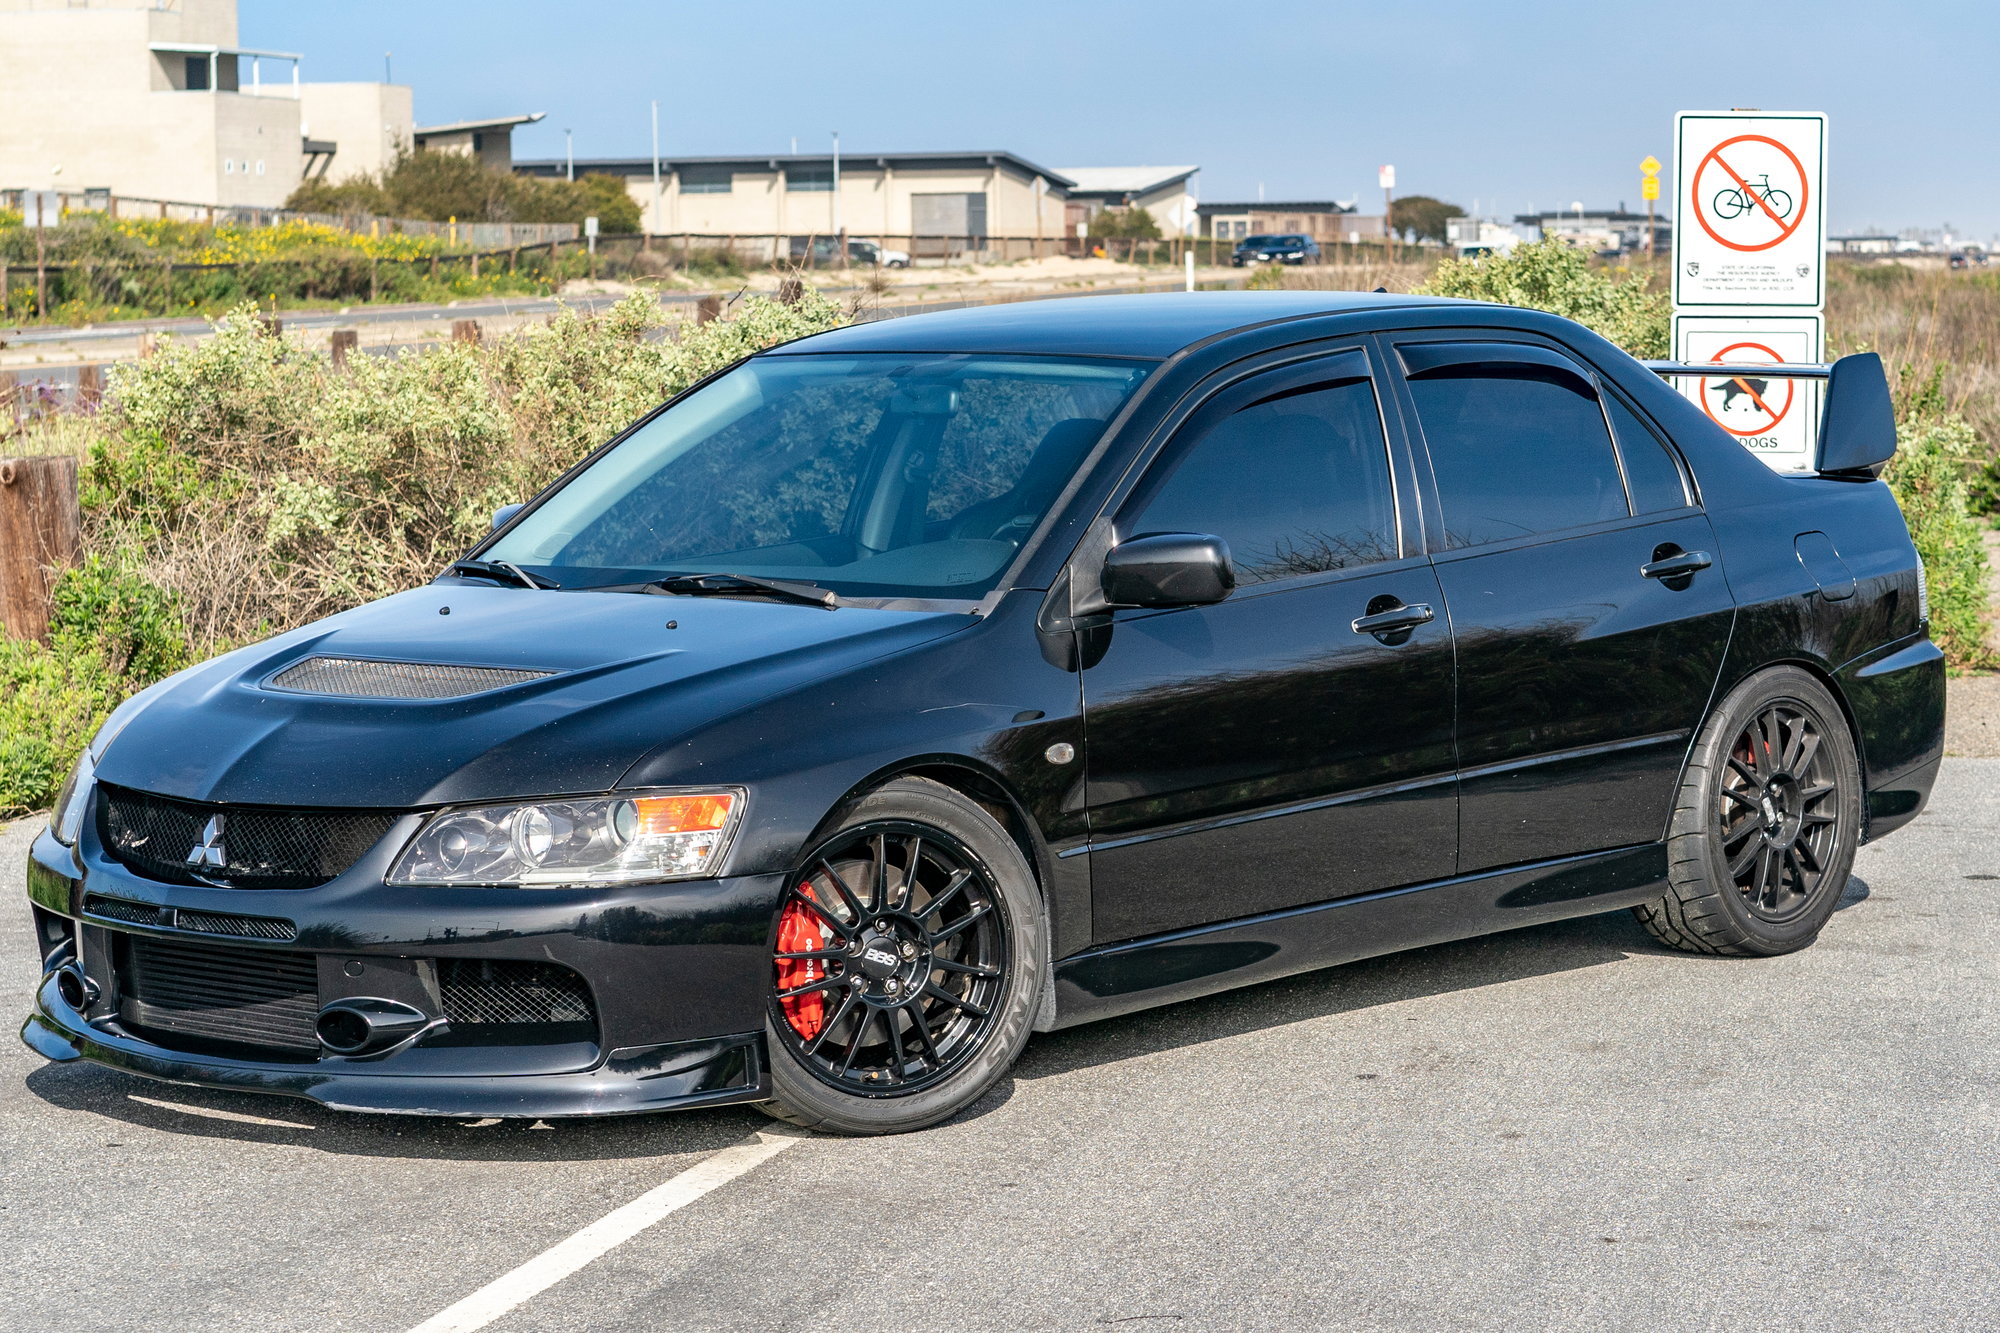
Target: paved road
<point>1561,1128</point>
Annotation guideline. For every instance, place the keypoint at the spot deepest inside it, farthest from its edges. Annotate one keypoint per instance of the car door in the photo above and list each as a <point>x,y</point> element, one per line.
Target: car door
<point>1587,603</point>
<point>1292,743</point>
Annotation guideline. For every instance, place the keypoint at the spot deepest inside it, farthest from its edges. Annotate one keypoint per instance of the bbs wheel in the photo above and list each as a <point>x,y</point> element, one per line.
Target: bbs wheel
<point>909,954</point>
<point>1765,827</point>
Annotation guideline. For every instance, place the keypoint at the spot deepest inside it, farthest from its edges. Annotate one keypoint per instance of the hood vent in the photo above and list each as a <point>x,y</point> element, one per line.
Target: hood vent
<point>361,678</point>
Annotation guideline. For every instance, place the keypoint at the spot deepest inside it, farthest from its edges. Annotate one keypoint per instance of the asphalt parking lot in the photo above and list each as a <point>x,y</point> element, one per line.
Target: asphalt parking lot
<point>1561,1128</point>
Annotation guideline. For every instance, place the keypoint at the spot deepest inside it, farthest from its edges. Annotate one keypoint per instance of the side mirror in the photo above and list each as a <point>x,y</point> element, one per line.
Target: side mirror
<point>505,514</point>
<point>1168,569</point>
<point>1857,428</point>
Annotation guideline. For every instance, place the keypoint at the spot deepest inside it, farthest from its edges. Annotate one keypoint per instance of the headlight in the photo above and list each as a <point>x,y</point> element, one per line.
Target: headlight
<point>66,819</point>
<point>636,839</point>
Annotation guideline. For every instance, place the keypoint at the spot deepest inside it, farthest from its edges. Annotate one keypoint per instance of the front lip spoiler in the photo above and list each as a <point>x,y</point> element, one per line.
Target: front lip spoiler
<point>717,1071</point>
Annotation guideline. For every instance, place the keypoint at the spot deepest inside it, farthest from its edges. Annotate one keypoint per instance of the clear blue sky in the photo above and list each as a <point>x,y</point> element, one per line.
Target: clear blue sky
<point>1510,103</point>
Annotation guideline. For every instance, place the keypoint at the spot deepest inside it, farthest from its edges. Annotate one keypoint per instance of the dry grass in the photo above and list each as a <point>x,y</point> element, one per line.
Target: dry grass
<point>1924,322</point>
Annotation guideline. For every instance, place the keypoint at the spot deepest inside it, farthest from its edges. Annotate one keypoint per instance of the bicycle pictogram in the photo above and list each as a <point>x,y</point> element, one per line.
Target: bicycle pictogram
<point>1735,201</point>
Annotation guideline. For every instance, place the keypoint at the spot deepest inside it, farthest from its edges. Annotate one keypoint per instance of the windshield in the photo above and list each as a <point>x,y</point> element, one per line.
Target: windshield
<point>873,476</point>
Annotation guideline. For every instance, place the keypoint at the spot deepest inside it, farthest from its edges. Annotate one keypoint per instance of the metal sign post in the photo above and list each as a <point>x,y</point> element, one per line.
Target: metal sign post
<point>1749,281</point>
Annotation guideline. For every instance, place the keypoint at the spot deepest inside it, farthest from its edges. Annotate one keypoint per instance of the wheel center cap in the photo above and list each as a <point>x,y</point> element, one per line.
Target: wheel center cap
<point>881,956</point>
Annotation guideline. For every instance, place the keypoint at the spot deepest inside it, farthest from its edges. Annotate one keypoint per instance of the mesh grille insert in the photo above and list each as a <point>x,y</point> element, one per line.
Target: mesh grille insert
<point>175,990</point>
<point>207,923</point>
<point>259,848</point>
<point>359,678</point>
<point>480,992</point>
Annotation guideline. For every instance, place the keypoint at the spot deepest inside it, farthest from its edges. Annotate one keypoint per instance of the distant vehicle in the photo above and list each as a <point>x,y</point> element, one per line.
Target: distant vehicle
<point>1288,249</point>
<point>825,250</point>
<point>1960,260</point>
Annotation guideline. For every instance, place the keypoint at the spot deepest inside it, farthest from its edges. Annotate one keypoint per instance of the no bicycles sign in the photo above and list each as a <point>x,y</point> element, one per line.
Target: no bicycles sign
<point>1750,209</point>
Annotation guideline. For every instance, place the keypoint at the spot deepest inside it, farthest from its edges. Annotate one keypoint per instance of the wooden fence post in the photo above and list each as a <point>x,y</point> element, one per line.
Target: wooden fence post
<point>791,291</point>
<point>465,331</point>
<point>10,399</point>
<point>149,343</point>
<point>89,387</point>
<point>709,307</point>
<point>40,534</point>
<point>343,342</point>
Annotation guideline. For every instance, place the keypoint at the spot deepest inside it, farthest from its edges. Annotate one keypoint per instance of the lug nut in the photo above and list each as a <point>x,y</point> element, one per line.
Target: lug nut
<point>882,926</point>
<point>909,949</point>
<point>892,985</point>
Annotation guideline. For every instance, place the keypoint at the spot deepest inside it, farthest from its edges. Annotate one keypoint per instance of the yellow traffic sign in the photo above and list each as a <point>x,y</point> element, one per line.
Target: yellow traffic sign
<point>1649,188</point>
<point>1651,166</point>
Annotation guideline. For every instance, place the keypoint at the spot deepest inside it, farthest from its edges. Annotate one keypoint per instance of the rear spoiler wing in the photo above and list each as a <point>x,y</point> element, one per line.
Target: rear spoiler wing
<point>1857,424</point>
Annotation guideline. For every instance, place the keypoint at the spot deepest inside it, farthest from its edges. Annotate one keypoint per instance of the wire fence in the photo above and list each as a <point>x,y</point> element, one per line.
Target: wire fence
<point>489,235</point>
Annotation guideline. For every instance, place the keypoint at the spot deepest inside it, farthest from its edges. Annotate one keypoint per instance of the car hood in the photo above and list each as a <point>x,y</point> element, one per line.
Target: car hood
<point>621,682</point>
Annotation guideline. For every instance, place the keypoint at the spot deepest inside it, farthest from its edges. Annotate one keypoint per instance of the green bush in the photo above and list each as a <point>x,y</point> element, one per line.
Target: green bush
<point>1554,276</point>
<point>1936,451</point>
<point>112,632</point>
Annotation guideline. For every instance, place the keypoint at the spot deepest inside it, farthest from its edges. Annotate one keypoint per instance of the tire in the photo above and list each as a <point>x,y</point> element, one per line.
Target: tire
<point>958,946</point>
<point>1765,823</point>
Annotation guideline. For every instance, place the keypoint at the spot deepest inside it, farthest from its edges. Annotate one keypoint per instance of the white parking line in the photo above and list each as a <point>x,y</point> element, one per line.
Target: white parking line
<point>607,1233</point>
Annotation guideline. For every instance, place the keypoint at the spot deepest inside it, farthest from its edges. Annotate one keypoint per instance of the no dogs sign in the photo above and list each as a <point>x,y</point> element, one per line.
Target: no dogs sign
<point>1776,419</point>
<point>1750,209</point>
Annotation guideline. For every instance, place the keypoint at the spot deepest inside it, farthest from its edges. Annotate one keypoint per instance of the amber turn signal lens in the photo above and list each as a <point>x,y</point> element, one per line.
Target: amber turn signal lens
<point>683,814</point>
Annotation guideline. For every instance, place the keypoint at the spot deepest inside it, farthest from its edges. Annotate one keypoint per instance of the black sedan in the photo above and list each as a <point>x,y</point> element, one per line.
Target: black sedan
<point>920,685</point>
<point>1290,249</point>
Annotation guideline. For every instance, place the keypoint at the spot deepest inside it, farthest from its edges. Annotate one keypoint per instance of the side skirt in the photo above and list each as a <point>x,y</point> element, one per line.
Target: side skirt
<point>1160,969</point>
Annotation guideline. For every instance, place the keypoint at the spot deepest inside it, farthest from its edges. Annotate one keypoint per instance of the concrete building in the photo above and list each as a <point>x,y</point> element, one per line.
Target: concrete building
<point>491,141</point>
<point>1325,220</point>
<point>931,204</point>
<point>158,100</point>
<point>1599,228</point>
<point>1165,192</point>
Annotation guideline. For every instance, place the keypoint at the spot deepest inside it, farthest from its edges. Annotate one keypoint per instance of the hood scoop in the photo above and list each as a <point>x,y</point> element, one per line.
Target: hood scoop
<point>366,678</point>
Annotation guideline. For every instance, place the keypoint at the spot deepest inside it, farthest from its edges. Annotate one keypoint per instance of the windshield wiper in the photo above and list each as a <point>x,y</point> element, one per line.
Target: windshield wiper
<point>502,571</point>
<point>735,585</point>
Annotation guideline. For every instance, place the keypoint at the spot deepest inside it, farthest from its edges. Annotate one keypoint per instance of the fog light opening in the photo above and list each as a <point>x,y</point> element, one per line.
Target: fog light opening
<point>77,990</point>
<point>343,1031</point>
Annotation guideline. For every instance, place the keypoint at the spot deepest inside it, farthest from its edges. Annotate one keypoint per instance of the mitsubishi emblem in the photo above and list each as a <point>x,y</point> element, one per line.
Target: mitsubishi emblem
<point>208,854</point>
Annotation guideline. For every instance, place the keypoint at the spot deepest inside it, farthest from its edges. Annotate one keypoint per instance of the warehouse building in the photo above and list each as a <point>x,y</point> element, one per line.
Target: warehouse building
<point>1325,220</point>
<point>930,204</point>
<point>1165,192</point>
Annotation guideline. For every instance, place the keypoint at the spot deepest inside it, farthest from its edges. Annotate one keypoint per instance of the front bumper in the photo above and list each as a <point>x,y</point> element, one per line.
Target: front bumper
<point>678,976</point>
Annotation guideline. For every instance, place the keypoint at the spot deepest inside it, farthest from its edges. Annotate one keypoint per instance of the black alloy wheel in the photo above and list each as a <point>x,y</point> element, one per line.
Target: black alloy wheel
<point>909,959</point>
<point>908,962</point>
<point>1765,823</point>
<point>1779,820</point>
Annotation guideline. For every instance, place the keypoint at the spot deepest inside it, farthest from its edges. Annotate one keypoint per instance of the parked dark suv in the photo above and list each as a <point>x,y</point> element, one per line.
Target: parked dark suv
<point>919,685</point>
<point>1274,249</point>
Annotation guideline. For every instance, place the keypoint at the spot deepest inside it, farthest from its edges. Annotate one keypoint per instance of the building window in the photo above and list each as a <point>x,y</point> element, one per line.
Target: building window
<point>814,179</point>
<point>197,74</point>
<point>707,180</point>
<point>260,166</point>
<point>229,166</point>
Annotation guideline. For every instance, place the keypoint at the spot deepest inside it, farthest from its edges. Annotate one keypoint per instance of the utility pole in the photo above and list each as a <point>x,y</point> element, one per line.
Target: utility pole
<point>656,164</point>
<point>839,232</point>
<point>385,67</point>
<point>569,156</point>
<point>1387,178</point>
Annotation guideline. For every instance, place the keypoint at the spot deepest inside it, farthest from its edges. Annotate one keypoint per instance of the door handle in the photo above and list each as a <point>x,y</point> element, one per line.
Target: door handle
<point>1681,566</point>
<point>1396,619</point>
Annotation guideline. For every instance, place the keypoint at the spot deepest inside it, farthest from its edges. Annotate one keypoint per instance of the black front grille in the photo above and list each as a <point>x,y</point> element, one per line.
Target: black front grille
<point>513,1002</point>
<point>259,848</point>
<point>186,918</point>
<point>202,996</point>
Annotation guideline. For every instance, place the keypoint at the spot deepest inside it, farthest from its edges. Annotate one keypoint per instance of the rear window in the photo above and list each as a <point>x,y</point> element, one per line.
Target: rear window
<point>1517,450</point>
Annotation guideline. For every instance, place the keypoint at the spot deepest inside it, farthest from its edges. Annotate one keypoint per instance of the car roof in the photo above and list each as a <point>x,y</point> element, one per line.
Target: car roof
<point>1152,326</point>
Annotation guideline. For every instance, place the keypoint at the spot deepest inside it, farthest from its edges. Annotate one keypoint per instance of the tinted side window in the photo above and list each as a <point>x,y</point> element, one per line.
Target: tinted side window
<point>1518,450</point>
<point>1650,471</point>
<point>1296,484</point>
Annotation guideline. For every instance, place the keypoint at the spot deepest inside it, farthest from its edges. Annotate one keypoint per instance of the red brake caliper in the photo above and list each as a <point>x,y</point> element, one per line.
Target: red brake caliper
<point>799,932</point>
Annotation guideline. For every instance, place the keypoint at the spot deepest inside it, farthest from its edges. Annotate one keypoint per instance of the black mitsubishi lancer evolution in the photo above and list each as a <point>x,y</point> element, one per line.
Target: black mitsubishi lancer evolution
<point>914,687</point>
